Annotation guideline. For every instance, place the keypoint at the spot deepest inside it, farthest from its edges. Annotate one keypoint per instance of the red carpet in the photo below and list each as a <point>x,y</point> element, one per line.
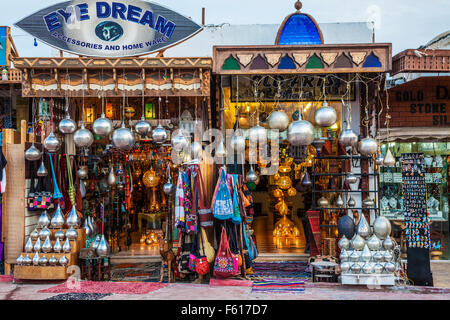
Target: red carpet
<point>106,287</point>
<point>230,283</point>
<point>6,278</point>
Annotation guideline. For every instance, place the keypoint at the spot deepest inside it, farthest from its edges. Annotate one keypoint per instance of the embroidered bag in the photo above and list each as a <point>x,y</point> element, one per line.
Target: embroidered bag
<point>222,204</point>
<point>252,251</point>
<point>224,266</point>
<point>205,216</point>
<point>201,264</point>
<point>237,219</point>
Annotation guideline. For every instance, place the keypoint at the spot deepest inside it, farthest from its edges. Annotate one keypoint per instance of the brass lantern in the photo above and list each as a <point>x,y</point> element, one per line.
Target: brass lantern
<point>150,179</point>
<point>285,182</point>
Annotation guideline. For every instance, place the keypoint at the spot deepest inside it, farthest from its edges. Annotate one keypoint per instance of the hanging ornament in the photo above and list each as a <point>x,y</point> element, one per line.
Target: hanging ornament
<point>351,178</point>
<point>278,120</point>
<point>159,135</point>
<point>306,181</point>
<point>123,138</point>
<point>42,171</point>
<point>102,249</point>
<point>351,202</point>
<point>52,143</point>
<point>389,160</point>
<point>32,153</point>
<point>348,137</point>
<point>143,127</point>
<point>87,228</point>
<point>83,172</point>
<point>83,138</point>
<point>323,202</point>
<point>300,133</point>
<point>379,160</point>
<point>325,116</point>
<point>67,125</point>
<point>102,126</point>
<point>339,202</point>
<point>251,175</point>
<point>221,152</point>
<point>368,147</point>
<point>112,177</point>
<point>368,202</point>
<point>179,141</point>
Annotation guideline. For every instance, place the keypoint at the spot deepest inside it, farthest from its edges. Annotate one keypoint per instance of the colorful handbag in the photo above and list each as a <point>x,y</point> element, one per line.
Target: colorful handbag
<point>222,207</point>
<point>201,264</point>
<point>237,219</point>
<point>205,217</point>
<point>252,251</point>
<point>193,255</point>
<point>186,247</point>
<point>225,265</point>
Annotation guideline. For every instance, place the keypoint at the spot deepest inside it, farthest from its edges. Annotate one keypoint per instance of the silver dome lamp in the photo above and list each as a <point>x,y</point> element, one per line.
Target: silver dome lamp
<point>123,138</point>
<point>102,126</point>
<point>300,132</point>
<point>159,134</point>
<point>325,116</point>
<point>143,127</point>
<point>32,153</point>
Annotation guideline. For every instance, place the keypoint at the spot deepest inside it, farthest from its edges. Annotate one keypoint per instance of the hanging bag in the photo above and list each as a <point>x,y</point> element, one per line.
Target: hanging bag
<point>224,266</point>
<point>237,219</point>
<point>194,254</point>
<point>252,251</point>
<point>205,216</point>
<point>223,203</point>
<point>201,264</point>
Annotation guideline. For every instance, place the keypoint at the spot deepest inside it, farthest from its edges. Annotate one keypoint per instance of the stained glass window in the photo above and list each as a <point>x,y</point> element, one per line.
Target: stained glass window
<point>300,29</point>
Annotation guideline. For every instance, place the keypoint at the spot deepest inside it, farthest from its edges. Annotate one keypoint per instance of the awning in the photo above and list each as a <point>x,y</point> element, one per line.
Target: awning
<point>414,133</point>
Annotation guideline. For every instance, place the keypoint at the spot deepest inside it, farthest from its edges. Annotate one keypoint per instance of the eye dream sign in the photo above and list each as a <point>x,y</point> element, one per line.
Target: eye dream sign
<point>109,28</point>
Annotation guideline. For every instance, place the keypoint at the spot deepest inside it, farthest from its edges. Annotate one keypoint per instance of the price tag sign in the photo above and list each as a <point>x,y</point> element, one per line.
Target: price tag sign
<point>388,178</point>
<point>397,177</point>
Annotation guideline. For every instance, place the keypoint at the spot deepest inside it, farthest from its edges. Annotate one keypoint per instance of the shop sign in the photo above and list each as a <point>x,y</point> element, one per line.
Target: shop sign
<point>291,86</point>
<point>109,28</point>
<point>424,102</point>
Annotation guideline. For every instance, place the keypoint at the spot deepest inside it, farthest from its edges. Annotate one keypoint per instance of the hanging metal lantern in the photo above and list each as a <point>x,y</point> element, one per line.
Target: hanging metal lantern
<point>42,171</point>
<point>368,147</point>
<point>379,160</point>
<point>83,138</point>
<point>143,127</point>
<point>159,135</point>
<point>179,141</point>
<point>325,116</point>
<point>257,134</point>
<point>83,172</point>
<point>348,137</point>
<point>52,143</point>
<point>300,133</point>
<point>32,153</point>
<point>102,249</point>
<point>67,125</point>
<point>63,261</point>
<point>382,227</point>
<point>95,243</point>
<point>339,202</point>
<point>123,138</point>
<point>251,175</point>
<point>73,220</point>
<point>221,151</point>
<point>102,126</point>
<point>363,228</point>
<point>111,177</point>
<point>44,219</point>
<point>168,188</point>
<point>71,234</point>
<point>389,160</point>
<point>197,150</point>
<point>87,228</point>
<point>58,218</point>
<point>306,181</point>
<point>278,120</point>
<point>47,246</point>
<point>44,233</point>
<point>57,247</point>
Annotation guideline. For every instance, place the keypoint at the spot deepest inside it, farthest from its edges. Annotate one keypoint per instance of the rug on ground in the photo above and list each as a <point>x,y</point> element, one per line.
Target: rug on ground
<point>105,287</point>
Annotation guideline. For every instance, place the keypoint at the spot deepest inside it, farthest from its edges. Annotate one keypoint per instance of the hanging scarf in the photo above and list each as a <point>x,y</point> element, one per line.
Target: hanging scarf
<point>179,203</point>
<point>191,217</point>
<point>187,191</point>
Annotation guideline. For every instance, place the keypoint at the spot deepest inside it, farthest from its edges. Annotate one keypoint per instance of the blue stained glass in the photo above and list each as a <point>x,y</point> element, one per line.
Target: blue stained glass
<point>300,29</point>
<point>286,63</point>
<point>372,61</point>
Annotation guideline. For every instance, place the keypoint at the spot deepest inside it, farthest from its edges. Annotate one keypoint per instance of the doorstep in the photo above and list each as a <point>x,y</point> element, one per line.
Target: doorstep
<point>274,257</point>
<point>123,258</point>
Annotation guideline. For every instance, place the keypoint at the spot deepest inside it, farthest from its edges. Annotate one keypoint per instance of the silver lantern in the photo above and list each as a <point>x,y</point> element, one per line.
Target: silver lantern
<point>47,246</point>
<point>348,137</point>
<point>356,268</point>
<point>368,147</point>
<point>42,171</point>
<point>44,220</point>
<point>58,218</point>
<point>355,256</point>
<point>32,153</point>
<point>366,255</point>
<point>34,235</point>
<point>389,160</point>
<point>374,243</point>
<point>344,243</point>
<point>102,249</point>
<point>368,202</point>
<point>378,257</point>
<point>112,177</point>
<point>60,234</point>
<point>92,225</point>
<point>379,160</point>
<point>387,256</point>
<point>36,258</point>
<point>382,227</point>
<point>339,202</point>
<point>300,133</point>
<point>71,234</point>
<point>358,242</point>
<point>363,227</point>
<point>95,243</point>
<point>53,261</point>
<point>389,267</point>
<point>159,134</point>
<point>63,261</point>
<point>83,138</point>
<point>44,233</point>
<point>388,244</point>
<point>67,247</point>
<point>169,188</point>
<point>378,268</point>
<point>87,228</point>
<point>29,246</point>
<point>179,141</point>
<point>43,261</point>
<point>73,220</point>
<point>52,143</point>
<point>123,138</point>
<point>67,125</point>
<point>83,172</point>
<point>37,245</point>
<point>197,150</point>
<point>345,267</point>
<point>367,268</point>
<point>251,175</point>
<point>351,202</point>
<point>19,260</point>
<point>323,202</point>
<point>27,260</point>
<point>325,116</point>
<point>57,247</point>
<point>143,127</point>
<point>257,134</point>
<point>102,126</point>
<point>221,152</point>
<point>278,120</point>
<point>344,256</point>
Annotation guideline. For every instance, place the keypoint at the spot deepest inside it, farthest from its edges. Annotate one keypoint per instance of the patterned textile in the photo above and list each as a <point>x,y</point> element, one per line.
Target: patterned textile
<point>80,296</point>
<point>179,203</point>
<point>280,286</point>
<point>280,270</point>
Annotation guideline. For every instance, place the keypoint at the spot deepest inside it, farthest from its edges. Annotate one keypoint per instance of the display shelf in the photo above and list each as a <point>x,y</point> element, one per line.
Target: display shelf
<point>344,191</point>
<point>320,208</point>
<point>368,279</point>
